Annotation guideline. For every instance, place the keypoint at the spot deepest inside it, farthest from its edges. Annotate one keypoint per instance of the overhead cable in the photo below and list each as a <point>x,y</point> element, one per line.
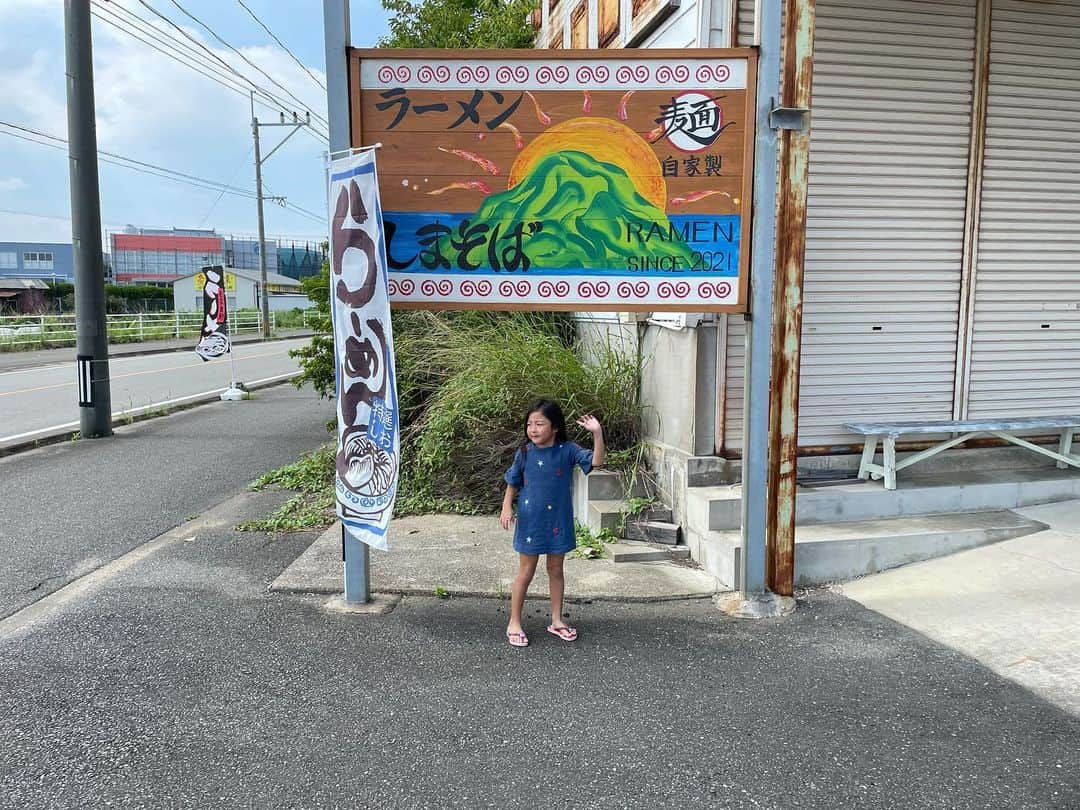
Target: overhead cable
<point>272,80</point>
<point>223,72</point>
<point>281,44</point>
<point>44,139</point>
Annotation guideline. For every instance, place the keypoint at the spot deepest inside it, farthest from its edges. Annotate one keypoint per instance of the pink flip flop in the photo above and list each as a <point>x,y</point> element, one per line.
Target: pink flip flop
<point>517,639</point>
<point>565,633</point>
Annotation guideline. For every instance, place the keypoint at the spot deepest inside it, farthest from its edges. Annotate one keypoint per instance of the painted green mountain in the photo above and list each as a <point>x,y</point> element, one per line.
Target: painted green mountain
<point>585,207</point>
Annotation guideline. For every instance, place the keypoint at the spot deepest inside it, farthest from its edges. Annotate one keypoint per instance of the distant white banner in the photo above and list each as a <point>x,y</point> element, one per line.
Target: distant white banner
<point>368,442</point>
<point>214,338</point>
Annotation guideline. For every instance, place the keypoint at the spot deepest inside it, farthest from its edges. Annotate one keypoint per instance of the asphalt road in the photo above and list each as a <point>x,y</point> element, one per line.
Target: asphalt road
<point>179,681</point>
<point>183,683</point>
<point>68,508</point>
<point>36,399</point>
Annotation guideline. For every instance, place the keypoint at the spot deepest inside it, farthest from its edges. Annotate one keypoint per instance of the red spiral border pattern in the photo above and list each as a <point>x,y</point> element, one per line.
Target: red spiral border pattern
<point>557,289</point>
<point>428,74</point>
<point>559,74</point>
<point>666,289</point>
<point>586,290</point>
<point>555,74</point>
<point>517,73</point>
<point>637,289</point>
<point>593,73</point>
<point>589,289</point>
<point>667,73</point>
<point>389,74</point>
<point>637,73</point>
<point>470,288</point>
<point>510,288</point>
<point>443,287</point>
<point>468,74</point>
<point>713,73</point>
<point>719,289</point>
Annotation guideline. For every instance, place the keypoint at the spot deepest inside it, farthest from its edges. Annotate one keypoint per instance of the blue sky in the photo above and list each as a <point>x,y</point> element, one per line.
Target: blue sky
<point>155,110</point>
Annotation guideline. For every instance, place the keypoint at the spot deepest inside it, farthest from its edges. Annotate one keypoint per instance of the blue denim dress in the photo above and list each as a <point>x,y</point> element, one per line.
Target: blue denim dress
<point>543,477</point>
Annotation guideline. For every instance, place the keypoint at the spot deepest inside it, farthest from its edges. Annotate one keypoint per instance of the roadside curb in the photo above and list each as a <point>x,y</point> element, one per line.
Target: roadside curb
<point>143,413</point>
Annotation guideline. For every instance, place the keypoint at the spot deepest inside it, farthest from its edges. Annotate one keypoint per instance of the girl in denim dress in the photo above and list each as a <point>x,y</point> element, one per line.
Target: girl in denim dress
<point>540,478</point>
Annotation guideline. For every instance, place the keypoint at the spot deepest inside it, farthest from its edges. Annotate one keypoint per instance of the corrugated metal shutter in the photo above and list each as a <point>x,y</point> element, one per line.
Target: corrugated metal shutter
<point>1025,354</point>
<point>888,175</point>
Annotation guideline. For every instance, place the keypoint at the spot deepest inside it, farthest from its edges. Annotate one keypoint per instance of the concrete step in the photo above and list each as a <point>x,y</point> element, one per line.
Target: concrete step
<point>658,512</point>
<point>604,485</point>
<point>719,553</point>
<point>600,515</point>
<point>831,552</point>
<point>608,514</point>
<point>720,508</point>
<point>635,551</point>
<point>652,531</point>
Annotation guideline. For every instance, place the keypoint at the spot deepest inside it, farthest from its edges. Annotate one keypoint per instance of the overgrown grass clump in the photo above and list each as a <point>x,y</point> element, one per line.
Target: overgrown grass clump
<point>464,382</point>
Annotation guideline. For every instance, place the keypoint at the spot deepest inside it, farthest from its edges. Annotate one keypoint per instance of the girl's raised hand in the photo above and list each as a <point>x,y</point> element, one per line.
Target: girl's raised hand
<point>590,423</point>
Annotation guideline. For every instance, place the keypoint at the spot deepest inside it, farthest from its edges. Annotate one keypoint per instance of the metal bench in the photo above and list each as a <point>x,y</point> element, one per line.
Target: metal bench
<point>889,432</point>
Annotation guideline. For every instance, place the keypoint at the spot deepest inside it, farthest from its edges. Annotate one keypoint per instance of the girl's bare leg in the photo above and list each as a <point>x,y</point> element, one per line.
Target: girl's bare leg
<point>557,585</point>
<point>526,570</point>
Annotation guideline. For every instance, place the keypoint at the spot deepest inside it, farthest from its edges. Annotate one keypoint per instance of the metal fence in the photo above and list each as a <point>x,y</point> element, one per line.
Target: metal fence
<point>21,332</point>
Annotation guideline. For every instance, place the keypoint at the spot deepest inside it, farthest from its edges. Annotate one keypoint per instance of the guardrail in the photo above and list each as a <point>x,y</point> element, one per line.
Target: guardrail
<point>22,332</point>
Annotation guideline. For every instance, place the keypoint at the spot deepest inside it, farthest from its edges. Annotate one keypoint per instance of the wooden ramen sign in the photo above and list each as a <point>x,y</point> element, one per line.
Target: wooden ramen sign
<point>529,180</point>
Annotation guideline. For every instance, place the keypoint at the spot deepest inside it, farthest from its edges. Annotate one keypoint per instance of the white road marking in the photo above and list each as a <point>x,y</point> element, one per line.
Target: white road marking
<point>66,426</point>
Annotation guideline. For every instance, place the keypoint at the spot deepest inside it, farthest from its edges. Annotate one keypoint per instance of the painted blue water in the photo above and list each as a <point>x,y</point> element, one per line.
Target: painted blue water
<point>424,243</point>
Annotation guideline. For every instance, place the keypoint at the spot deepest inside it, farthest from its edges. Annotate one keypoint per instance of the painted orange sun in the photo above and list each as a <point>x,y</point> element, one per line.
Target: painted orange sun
<point>605,140</point>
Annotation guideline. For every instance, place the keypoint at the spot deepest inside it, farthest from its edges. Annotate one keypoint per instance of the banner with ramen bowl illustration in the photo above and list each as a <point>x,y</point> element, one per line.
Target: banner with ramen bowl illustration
<point>583,180</point>
<point>368,444</point>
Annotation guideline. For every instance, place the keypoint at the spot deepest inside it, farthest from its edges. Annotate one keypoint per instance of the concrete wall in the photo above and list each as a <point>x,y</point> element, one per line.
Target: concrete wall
<point>668,388</point>
<point>603,330</point>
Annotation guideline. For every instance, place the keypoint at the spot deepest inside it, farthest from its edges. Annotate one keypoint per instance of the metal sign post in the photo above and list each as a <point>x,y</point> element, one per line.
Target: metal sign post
<point>336,33</point>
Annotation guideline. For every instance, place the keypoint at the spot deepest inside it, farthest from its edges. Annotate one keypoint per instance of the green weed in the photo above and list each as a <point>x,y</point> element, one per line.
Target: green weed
<point>591,546</point>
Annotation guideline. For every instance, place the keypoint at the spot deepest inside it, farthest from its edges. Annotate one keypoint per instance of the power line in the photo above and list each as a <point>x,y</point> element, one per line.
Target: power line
<point>199,67</point>
<point>273,81</point>
<point>239,168</point>
<point>126,162</point>
<point>152,169</point>
<point>304,67</point>
<point>186,56</point>
<point>283,105</point>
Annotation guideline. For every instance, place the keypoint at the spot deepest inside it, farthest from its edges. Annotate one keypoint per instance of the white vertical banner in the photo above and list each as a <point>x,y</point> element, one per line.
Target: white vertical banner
<point>368,441</point>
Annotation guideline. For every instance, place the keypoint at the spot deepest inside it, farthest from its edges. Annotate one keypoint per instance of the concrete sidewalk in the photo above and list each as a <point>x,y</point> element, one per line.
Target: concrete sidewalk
<point>472,556</point>
<point>14,361</point>
<point>1013,606</point>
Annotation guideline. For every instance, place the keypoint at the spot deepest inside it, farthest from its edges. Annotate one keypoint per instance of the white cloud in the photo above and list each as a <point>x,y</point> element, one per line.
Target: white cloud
<point>151,108</point>
<point>11,183</point>
<point>33,94</point>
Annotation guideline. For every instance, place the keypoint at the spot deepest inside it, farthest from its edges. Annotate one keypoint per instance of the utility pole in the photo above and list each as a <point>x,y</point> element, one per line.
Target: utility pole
<point>355,555</point>
<point>295,123</point>
<point>91,335</point>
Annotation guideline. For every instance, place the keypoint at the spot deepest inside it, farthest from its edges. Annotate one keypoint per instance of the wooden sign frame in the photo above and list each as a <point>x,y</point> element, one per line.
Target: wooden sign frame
<point>473,167</point>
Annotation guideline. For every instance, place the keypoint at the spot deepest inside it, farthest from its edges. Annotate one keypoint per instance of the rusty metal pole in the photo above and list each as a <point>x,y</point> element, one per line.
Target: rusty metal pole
<point>796,85</point>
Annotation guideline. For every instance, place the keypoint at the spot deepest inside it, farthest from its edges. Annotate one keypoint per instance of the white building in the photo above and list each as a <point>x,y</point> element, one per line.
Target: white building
<point>242,291</point>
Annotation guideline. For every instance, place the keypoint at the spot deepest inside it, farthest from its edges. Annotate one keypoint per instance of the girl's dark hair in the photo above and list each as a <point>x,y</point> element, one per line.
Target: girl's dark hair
<point>552,412</point>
